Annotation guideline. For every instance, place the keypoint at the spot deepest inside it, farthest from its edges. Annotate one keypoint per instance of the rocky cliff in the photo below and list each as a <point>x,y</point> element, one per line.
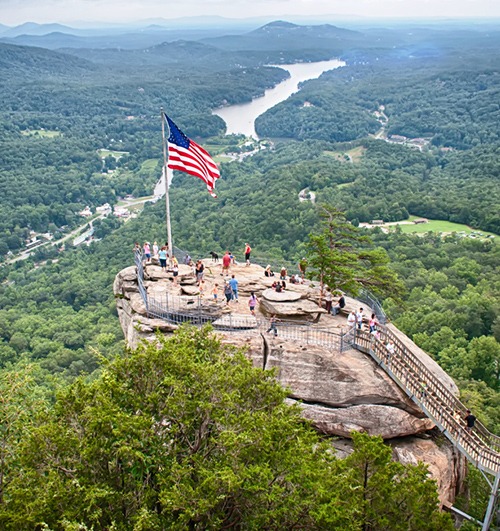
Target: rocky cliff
<point>338,391</point>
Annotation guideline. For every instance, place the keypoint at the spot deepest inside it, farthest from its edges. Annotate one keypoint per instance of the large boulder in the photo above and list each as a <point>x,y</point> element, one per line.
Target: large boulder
<point>338,392</point>
<point>386,421</point>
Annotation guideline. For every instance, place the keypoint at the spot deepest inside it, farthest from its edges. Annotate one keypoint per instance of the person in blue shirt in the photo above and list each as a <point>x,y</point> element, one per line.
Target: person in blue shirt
<point>234,286</point>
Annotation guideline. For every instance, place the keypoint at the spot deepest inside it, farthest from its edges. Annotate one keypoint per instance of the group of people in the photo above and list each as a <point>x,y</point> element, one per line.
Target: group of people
<point>340,304</point>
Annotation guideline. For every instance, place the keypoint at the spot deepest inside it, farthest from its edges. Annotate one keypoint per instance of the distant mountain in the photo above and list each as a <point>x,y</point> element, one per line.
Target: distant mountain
<point>282,35</point>
<point>144,38</point>
<point>37,62</point>
<point>167,53</point>
<point>32,28</point>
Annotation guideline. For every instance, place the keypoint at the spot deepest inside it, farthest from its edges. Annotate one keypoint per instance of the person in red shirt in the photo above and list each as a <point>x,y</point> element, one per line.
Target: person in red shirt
<point>248,250</point>
<point>226,262</point>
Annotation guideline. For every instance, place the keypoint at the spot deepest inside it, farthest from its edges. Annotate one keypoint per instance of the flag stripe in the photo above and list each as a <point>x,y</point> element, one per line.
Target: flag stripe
<point>187,156</point>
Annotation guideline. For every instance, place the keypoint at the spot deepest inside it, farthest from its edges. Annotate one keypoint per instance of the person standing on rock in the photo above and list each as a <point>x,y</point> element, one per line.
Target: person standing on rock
<point>234,286</point>
<point>163,258</point>
<point>302,267</point>
<point>226,262</point>
<point>328,300</point>
<point>272,325</point>
<point>228,292</point>
<point>147,252</point>
<point>248,250</point>
<point>155,250</point>
<point>215,291</point>
<point>351,319</point>
<point>252,302</point>
<point>200,269</point>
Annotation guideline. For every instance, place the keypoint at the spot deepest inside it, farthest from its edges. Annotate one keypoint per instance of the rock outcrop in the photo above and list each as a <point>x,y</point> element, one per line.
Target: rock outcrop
<point>338,392</point>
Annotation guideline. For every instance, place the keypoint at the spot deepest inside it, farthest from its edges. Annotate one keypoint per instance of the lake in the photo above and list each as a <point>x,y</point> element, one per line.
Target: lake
<point>240,119</point>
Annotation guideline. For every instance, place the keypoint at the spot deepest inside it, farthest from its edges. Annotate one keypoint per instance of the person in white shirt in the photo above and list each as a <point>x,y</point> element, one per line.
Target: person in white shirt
<point>359,318</point>
<point>351,319</point>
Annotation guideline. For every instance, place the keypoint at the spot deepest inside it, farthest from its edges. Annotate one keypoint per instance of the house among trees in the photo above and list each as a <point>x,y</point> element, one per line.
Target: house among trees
<point>86,212</point>
<point>377,222</point>
<point>420,221</point>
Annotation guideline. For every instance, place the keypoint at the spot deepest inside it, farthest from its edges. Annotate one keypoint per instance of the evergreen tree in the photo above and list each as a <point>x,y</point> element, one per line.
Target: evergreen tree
<point>339,255</point>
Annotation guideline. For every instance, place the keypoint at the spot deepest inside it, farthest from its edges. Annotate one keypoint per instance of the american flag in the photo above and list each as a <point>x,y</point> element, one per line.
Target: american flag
<point>187,156</point>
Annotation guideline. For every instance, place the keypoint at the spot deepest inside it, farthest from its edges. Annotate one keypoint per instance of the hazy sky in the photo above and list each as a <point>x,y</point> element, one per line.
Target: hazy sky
<point>14,12</point>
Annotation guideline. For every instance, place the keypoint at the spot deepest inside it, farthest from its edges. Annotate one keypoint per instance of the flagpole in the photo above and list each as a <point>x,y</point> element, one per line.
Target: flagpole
<point>165,174</point>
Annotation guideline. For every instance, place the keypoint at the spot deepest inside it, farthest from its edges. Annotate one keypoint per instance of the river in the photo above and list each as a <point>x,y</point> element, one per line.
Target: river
<point>240,119</point>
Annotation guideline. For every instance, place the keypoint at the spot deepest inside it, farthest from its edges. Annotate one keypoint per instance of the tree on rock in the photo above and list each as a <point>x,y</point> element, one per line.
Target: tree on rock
<point>342,257</point>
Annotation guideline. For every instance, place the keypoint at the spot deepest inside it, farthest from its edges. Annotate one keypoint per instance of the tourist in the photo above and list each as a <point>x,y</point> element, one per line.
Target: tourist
<point>187,260</point>
<point>272,325</point>
<point>163,258</point>
<point>302,267</point>
<point>147,251</point>
<point>423,389</point>
<point>339,306</point>
<point>226,262</point>
<point>202,288</point>
<point>234,286</point>
<point>359,318</point>
<point>278,287</point>
<point>175,269</point>
<point>228,292</point>
<point>248,250</point>
<point>137,249</point>
<point>372,323</point>
<point>283,273</point>
<point>252,302</point>
<point>470,421</point>
<point>390,350</point>
<point>351,319</point>
<point>328,300</point>
<point>200,269</point>
<point>268,272</point>
<point>215,291</point>
<point>233,259</point>
<point>155,250</point>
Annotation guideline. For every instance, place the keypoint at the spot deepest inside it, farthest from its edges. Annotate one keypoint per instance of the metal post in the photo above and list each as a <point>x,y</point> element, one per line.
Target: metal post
<point>491,504</point>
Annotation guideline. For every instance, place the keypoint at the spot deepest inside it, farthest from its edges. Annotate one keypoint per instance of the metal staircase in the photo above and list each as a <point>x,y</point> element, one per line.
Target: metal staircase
<point>479,446</point>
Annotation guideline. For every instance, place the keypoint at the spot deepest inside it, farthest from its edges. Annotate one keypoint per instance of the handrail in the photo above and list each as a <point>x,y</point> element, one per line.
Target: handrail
<point>438,403</point>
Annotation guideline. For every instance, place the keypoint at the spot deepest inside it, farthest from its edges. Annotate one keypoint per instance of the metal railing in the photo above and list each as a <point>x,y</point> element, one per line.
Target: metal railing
<point>372,301</point>
<point>189,309</point>
<point>480,446</point>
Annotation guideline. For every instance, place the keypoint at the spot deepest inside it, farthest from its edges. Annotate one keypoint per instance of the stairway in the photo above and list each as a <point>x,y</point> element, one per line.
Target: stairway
<point>479,446</point>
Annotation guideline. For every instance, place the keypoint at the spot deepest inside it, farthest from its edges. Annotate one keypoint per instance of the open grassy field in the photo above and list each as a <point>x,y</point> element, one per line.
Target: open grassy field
<point>437,225</point>
<point>103,153</point>
<point>42,133</point>
<point>353,155</point>
<point>149,165</point>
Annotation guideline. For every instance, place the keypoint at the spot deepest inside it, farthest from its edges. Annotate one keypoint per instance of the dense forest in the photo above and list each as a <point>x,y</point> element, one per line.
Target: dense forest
<point>60,108</point>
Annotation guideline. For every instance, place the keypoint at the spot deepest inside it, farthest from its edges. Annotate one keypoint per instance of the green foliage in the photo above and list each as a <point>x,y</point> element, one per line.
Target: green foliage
<point>375,479</point>
<point>187,434</point>
<point>339,257</point>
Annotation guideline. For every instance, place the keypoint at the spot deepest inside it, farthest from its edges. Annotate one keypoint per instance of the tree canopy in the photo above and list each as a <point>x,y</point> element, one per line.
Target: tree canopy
<point>187,434</point>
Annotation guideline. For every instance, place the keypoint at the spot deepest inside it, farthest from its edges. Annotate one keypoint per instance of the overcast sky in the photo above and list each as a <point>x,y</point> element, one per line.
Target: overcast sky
<point>14,12</point>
